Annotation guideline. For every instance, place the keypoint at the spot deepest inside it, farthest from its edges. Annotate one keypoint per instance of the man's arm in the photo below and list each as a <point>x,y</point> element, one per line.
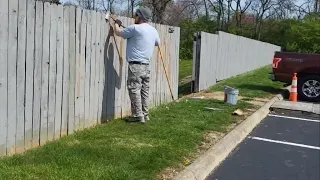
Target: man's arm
<point>124,33</point>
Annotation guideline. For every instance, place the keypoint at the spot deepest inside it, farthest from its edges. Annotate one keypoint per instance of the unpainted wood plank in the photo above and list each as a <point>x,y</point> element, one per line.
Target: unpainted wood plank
<point>83,32</point>
<point>87,73</point>
<point>116,76</point>
<point>82,75</point>
<point>104,74</point>
<point>45,74</point>
<point>123,73</point>
<point>65,77</point>
<point>59,81</point>
<point>52,71</point>
<point>21,68</point>
<point>78,98</point>
<point>30,57</point>
<point>72,66</point>
<point>93,69</point>
<point>97,52</point>
<point>101,69</point>
<point>4,33</point>
<point>103,78</point>
<point>153,75</point>
<point>128,102</point>
<point>12,76</point>
<point>37,75</point>
<point>177,47</point>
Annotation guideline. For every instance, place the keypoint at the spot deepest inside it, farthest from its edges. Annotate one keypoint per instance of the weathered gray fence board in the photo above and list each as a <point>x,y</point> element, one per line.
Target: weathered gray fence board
<point>3,75</point>
<point>177,46</point>
<point>72,66</point>
<point>226,55</point>
<point>45,74</point>
<point>21,64</point>
<point>101,67</point>
<point>37,76</point>
<point>98,56</point>
<point>12,76</point>
<point>65,90</point>
<point>59,73</point>
<point>66,72</point>
<point>88,73</point>
<point>52,71</point>
<point>93,67</point>
<point>77,102</point>
<point>82,59</point>
<point>30,57</point>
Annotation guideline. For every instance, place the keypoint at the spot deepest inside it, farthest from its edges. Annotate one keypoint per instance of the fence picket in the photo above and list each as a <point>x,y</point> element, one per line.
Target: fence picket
<point>59,73</point>
<point>30,57</point>
<point>52,71</point>
<point>45,74</point>
<point>21,65</point>
<point>12,76</point>
<point>37,76</point>
<point>65,89</point>
<point>72,66</point>
<point>3,75</point>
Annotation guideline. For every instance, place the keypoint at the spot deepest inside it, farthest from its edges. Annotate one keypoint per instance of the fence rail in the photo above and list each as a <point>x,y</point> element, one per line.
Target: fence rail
<point>223,55</point>
<point>62,70</point>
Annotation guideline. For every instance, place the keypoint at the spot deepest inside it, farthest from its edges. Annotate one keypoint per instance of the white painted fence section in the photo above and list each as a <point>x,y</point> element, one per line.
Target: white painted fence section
<point>62,70</point>
<point>223,55</point>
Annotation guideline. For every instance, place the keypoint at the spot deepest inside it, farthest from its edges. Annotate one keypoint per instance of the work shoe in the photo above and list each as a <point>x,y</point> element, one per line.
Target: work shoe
<point>136,120</point>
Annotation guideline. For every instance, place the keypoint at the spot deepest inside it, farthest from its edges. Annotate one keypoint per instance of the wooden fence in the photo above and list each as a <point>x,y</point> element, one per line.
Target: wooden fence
<point>223,55</point>
<point>61,70</point>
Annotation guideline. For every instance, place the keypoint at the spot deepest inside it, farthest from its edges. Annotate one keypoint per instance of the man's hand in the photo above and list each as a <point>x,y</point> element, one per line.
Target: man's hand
<point>118,22</point>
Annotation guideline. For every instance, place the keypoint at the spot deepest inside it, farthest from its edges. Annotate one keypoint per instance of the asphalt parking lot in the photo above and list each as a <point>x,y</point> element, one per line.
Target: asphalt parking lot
<point>284,146</point>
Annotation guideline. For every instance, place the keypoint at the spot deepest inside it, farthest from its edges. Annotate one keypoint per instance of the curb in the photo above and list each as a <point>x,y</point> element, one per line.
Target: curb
<point>206,163</point>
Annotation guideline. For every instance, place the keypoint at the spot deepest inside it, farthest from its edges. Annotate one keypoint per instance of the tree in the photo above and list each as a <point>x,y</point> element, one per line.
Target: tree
<point>51,1</point>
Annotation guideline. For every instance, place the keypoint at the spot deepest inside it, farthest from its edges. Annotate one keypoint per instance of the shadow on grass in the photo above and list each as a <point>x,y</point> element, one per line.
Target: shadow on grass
<point>184,89</point>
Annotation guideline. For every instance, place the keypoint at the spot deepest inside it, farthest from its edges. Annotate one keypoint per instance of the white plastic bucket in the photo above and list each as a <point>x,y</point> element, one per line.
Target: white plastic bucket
<point>231,95</point>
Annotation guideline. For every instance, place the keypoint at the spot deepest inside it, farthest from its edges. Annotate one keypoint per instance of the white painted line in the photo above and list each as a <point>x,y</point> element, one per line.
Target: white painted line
<point>286,143</point>
<point>301,119</point>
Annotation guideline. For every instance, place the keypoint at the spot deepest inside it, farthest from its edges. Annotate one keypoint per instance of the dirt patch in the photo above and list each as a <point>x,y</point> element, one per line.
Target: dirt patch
<point>220,96</point>
<point>185,80</point>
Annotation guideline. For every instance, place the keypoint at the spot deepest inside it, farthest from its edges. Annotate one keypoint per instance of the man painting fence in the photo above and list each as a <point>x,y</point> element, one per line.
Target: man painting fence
<point>141,40</point>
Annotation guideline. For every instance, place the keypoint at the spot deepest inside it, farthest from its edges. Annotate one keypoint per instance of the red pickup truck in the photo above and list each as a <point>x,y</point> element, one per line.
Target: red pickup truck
<point>307,66</point>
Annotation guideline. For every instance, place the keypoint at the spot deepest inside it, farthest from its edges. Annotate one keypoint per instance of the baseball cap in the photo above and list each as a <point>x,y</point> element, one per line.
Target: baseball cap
<point>145,13</point>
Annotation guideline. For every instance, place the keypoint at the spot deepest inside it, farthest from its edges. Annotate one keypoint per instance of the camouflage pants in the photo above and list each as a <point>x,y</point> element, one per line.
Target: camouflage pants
<point>138,87</point>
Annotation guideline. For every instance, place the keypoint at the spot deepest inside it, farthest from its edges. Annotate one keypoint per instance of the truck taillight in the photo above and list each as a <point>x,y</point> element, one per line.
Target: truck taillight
<point>275,62</point>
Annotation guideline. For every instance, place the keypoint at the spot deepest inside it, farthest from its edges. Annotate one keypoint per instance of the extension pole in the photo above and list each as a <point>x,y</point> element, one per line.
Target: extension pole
<point>165,71</point>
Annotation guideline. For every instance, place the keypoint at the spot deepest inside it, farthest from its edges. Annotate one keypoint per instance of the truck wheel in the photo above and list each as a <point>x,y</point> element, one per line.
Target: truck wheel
<point>309,88</point>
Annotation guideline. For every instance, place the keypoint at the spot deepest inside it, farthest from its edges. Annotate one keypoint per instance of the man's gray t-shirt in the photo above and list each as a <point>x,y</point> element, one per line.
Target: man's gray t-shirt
<point>141,40</point>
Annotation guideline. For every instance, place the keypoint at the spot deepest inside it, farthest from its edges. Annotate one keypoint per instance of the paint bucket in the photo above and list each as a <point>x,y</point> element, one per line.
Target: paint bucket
<point>231,95</point>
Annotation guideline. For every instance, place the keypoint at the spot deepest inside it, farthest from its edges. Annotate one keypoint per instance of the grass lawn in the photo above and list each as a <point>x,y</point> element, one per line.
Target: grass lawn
<point>118,150</point>
<point>185,73</point>
<point>254,84</point>
<point>185,69</point>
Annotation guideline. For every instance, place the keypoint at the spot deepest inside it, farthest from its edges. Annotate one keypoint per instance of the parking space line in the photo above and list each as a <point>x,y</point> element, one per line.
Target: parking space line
<point>283,142</point>
<point>301,119</point>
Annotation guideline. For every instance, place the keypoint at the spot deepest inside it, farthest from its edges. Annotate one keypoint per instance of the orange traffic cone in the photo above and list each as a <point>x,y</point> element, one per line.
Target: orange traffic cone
<point>294,89</point>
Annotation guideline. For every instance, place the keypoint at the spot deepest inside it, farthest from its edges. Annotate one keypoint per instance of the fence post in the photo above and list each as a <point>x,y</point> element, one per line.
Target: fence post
<point>196,62</point>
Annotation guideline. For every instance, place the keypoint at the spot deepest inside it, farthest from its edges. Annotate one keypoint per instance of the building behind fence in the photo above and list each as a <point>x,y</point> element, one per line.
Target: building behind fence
<point>223,55</point>
<point>61,70</point>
